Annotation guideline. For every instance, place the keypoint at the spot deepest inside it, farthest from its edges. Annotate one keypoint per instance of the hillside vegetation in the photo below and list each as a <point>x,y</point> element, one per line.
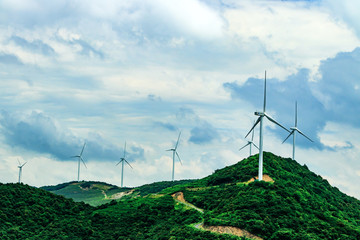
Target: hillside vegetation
<point>98,193</point>
<point>296,204</point>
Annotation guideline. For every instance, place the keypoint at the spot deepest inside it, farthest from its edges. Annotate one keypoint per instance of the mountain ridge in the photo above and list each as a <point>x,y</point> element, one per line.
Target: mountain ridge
<point>296,204</point>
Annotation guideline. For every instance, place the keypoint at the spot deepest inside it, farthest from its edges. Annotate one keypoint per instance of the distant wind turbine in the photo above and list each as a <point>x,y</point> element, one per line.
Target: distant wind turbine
<point>20,169</point>
<point>79,157</point>
<point>260,120</point>
<point>250,143</point>
<point>122,161</point>
<point>293,132</point>
<point>175,153</point>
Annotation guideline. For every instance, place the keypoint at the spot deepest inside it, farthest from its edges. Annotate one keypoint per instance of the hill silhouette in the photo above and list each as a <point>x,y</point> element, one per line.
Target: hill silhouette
<point>295,203</point>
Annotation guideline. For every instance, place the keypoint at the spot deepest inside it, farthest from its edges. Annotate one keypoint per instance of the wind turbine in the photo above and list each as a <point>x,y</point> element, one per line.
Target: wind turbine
<point>293,132</point>
<point>251,142</point>
<point>122,160</point>
<point>20,169</point>
<point>261,138</point>
<point>175,153</point>
<point>80,159</point>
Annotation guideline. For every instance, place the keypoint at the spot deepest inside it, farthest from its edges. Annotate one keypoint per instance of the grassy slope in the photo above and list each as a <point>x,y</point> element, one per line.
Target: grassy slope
<point>88,192</point>
<point>93,192</point>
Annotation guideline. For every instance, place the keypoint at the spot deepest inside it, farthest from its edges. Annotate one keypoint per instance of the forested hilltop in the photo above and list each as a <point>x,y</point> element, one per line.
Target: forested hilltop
<point>293,203</point>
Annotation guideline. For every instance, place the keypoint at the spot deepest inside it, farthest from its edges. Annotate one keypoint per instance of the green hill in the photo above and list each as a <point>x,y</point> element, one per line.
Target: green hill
<point>294,203</point>
<point>98,193</point>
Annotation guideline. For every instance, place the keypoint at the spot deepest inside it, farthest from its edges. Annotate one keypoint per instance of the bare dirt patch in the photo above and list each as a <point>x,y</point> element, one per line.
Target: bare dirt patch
<point>179,196</point>
<point>121,194</point>
<point>266,178</point>
<point>231,230</point>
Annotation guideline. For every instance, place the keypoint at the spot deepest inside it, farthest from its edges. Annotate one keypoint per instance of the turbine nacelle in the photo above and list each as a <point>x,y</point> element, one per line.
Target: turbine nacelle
<point>260,114</point>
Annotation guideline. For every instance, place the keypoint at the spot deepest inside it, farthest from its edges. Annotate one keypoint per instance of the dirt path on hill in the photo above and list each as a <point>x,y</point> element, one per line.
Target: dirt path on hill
<point>105,196</point>
<point>121,194</point>
<point>179,196</point>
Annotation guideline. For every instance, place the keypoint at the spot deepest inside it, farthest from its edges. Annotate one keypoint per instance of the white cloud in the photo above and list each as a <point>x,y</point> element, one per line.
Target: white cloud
<point>120,67</point>
<point>293,34</point>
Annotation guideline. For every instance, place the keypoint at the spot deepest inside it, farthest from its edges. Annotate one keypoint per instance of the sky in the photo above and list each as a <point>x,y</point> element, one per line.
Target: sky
<point>109,72</point>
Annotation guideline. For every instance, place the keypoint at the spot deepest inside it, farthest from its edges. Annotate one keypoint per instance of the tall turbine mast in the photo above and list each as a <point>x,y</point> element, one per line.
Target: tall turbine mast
<point>20,169</point>
<point>293,132</point>
<point>122,161</point>
<point>260,120</point>
<point>79,157</point>
<point>175,153</point>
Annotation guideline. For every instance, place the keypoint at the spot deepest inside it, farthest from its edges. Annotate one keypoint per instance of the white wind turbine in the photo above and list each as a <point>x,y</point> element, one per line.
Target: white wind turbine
<point>20,169</point>
<point>293,132</point>
<point>260,120</point>
<point>80,159</point>
<point>175,153</point>
<point>250,143</point>
<point>122,161</point>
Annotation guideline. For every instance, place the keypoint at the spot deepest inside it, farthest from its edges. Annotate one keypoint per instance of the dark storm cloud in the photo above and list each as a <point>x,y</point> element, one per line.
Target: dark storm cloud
<point>40,133</point>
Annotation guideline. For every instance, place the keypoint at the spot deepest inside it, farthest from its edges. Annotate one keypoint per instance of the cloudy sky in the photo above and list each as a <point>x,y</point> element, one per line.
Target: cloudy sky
<point>141,71</point>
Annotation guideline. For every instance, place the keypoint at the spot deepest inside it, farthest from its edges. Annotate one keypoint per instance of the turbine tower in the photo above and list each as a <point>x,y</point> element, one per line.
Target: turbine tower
<point>175,153</point>
<point>79,157</point>
<point>293,132</point>
<point>122,161</point>
<point>20,169</point>
<point>261,138</point>
<point>250,143</point>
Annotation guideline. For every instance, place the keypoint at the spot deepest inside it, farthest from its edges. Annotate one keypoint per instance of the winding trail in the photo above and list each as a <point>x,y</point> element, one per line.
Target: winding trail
<point>179,197</point>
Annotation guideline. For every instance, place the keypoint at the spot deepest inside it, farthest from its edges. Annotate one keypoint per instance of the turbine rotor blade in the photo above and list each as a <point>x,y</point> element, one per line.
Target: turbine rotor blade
<point>23,164</point>
<point>257,121</point>
<point>252,135</point>
<point>82,149</point>
<point>296,114</point>
<point>177,143</point>
<point>19,162</point>
<point>244,146</point>
<point>125,149</point>
<point>128,163</point>
<point>170,150</point>
<point>83,162</point>
<point>304,135</point>
<point>178,157</point>
<point>265,93</point>
<point>255,145</point>
<point>292,132</point>
<point>272,120</point>
<point>119,162</point>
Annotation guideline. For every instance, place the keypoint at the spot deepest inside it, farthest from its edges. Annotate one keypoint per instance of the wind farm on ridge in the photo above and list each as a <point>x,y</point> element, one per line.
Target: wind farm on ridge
<point>292,131</point>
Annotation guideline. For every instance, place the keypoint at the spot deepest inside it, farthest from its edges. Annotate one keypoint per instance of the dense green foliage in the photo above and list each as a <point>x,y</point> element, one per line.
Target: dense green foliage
<point>30,213</point>
<point>298,204</point>
<point>159,186</point>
